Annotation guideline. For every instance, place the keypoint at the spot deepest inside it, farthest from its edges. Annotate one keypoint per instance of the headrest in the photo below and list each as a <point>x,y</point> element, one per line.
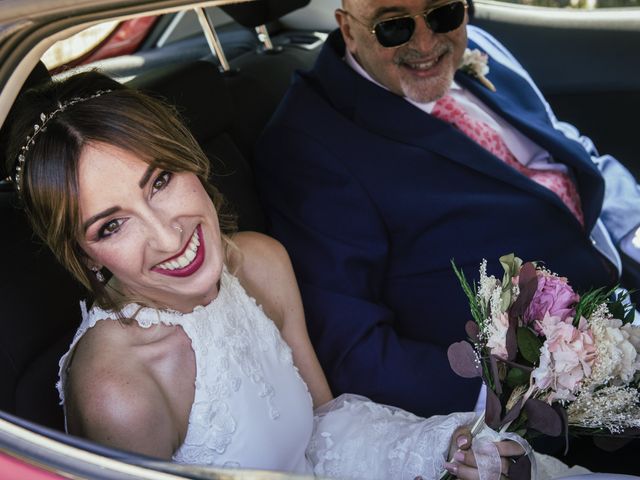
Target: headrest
<point>260,12</point>
<point>198,91</point>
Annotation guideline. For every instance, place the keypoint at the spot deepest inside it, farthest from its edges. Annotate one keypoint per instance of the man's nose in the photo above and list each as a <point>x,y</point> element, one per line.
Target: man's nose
<point>423,37</point>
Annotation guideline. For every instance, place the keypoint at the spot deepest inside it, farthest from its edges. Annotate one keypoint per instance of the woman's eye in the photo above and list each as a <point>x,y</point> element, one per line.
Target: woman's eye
<point>161,181</point>
<point>110,228</point>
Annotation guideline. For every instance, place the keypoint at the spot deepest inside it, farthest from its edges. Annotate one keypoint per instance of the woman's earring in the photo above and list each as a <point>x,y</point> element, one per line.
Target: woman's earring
<point>98,274</point>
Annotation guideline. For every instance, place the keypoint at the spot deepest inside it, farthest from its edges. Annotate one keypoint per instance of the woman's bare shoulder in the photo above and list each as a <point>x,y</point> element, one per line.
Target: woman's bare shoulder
<point>111,395</point>
<point>255,255</point>
<point>263,267</point>
<point>102,366</point>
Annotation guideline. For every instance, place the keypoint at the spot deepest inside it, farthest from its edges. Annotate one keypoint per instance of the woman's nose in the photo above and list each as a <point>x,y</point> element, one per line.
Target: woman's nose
<point>165,236</point>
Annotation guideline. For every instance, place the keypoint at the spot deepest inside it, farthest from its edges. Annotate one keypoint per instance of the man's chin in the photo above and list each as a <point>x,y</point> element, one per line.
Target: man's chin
<point>428,91</point>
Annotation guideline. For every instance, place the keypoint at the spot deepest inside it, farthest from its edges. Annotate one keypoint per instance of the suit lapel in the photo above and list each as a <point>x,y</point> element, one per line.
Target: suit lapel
<point>515,101</point>
<point>370,105</point>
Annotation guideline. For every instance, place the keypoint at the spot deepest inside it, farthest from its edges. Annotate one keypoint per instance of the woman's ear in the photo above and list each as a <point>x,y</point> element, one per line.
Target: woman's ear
<point>91,265</point>
<point>88,261</point>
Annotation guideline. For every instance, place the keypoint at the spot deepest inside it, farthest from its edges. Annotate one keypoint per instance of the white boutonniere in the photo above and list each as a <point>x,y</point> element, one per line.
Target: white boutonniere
<point>474,62</point>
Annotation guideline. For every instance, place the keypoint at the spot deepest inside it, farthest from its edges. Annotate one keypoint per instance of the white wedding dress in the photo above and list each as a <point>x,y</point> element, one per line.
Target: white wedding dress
<point>253,410</point>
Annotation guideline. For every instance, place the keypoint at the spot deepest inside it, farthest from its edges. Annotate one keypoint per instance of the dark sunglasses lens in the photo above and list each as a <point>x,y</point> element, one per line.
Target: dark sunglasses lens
<point>446,18</point>
<point>397,31</point>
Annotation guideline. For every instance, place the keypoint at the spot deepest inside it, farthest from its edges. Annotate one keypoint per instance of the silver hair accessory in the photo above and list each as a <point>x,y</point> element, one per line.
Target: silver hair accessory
<point>98,273</point>
<point>41,127</point>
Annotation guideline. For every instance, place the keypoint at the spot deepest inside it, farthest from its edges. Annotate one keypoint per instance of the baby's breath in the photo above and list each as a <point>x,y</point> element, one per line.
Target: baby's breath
<point>614,408</point>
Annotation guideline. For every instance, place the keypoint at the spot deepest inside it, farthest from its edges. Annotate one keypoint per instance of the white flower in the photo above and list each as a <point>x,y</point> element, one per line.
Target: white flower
<point>616,356</point>
<point>487,284</point>
<point>627,354</point>
<point>497,334</point>
<point>475,63</point>
<point>634,335</point>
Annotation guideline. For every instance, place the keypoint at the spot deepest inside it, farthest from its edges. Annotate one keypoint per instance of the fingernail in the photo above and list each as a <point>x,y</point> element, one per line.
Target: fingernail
<point>451,467</point>
<point>458,456</point>
<point>461,441</point>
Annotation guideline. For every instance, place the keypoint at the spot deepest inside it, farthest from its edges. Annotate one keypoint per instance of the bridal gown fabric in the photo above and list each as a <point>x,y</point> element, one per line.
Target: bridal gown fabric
<point>253,410</point>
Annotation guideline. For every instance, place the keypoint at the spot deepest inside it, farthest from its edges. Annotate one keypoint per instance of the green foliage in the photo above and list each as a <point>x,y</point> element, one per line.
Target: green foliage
<point>529,345</point>
<point>620,307</point>
<point>476,309</point>
<point>511,265</point>
<point>517,377</point>
<point>590,301</point>
<point>617,303</point>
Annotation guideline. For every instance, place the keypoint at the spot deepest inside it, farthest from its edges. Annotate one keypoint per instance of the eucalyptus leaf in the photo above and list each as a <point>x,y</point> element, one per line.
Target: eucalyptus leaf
<point>513,413</point>
<point>463,360</point>
<point>493,410</point>
<point>472,330</point>
<point>543,418</point>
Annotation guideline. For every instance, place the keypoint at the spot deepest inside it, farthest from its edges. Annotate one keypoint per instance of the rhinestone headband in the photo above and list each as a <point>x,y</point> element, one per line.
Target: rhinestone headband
<point>41,127</point>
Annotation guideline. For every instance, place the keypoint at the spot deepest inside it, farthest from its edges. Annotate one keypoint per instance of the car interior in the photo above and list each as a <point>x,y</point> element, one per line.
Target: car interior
<point>226,97</point>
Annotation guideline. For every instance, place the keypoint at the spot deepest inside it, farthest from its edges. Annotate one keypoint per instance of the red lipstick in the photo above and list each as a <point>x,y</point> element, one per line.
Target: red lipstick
<point>193,266</point>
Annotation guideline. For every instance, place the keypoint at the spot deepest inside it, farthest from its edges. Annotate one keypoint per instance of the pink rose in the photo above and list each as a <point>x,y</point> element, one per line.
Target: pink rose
<point>566,357</point>
<point>553,297</point>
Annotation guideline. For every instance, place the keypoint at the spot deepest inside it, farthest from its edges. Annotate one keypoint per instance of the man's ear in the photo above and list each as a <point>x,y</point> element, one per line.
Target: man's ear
<point>342,18</point>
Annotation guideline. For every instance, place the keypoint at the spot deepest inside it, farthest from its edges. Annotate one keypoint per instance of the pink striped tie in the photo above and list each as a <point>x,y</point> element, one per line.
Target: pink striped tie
<point>450,111</point>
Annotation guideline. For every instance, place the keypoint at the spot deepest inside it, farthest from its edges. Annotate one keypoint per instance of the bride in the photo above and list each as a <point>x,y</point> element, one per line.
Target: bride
<point>195,348</point>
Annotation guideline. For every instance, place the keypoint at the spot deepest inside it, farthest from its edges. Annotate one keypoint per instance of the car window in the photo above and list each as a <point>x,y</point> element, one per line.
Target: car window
<point>99,42</point>
<point>579,4</point>
<point>78,45</point>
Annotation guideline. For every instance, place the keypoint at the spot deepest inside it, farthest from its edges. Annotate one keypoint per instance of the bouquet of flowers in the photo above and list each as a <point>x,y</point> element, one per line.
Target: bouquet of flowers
<point>553,361</point>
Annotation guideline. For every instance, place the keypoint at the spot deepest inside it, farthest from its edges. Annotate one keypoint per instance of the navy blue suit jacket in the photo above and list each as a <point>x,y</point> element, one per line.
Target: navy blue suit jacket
<point>373,198</point>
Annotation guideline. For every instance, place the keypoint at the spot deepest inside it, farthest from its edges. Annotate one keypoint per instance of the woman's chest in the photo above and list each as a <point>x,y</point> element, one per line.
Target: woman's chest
<point>251,408</point>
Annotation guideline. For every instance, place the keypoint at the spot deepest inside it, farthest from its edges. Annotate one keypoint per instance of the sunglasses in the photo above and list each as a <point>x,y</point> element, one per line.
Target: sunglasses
<point>396,31</point>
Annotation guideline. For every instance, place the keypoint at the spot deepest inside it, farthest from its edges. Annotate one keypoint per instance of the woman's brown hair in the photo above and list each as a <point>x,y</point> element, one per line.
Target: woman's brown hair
<point>119,116</point>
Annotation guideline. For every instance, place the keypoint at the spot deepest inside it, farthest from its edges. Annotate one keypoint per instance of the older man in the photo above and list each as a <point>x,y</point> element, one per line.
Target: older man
<point>387,160</point>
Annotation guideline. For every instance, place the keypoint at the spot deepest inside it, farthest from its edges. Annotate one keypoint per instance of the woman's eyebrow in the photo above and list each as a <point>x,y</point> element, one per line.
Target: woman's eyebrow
<point>147,175</point>
<point>95,218</point>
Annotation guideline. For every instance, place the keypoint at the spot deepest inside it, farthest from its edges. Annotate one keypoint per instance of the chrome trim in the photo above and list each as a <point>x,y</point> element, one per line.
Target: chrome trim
<point>206,22</point>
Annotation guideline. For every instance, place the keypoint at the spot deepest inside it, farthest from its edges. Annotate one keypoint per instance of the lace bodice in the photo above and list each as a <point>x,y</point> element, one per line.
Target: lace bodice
<point>251,408</point>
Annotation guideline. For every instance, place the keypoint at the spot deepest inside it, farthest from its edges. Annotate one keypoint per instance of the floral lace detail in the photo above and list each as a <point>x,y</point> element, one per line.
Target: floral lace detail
<point>231,338</point>
<point>355,438</point>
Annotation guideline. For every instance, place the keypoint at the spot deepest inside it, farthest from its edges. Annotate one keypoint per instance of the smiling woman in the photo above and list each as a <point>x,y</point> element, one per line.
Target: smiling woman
<point>72,150</point>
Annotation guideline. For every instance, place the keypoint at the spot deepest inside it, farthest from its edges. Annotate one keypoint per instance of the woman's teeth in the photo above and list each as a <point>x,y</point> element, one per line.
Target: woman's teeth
<point>186,258</point>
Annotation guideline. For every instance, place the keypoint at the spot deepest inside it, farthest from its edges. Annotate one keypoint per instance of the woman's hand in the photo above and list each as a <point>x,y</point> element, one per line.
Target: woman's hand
<point>464,465</point>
